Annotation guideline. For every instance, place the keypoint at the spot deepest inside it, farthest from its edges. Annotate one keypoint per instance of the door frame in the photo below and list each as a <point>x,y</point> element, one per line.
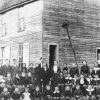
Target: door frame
<point>97,52</point>
<point>56,44</point>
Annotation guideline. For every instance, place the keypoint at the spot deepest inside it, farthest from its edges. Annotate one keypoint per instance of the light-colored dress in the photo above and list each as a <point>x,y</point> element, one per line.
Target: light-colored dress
<point>26,96</point>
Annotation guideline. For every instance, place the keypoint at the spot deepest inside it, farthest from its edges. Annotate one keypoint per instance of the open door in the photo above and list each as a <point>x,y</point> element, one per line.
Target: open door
<point>53,54</point>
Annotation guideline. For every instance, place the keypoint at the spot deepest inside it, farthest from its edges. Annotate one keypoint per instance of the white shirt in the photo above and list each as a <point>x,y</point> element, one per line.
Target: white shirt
<point>26,96</point>
<point>82,81</point>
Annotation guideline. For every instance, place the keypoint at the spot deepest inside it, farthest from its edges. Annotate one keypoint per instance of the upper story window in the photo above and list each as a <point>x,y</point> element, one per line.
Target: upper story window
<point>21,19</point>
<point>4,29</point>
<point>21,24</point>
<point>3,26</point>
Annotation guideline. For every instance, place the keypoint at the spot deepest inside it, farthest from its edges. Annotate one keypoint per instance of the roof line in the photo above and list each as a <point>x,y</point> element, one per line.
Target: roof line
<point>16,5</point>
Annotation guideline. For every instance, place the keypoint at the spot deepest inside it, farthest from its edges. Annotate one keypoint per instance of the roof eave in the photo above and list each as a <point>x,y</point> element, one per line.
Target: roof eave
<point>16,5</point>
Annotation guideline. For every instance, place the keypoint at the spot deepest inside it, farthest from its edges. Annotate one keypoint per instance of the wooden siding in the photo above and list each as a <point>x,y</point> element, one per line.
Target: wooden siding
<point>84,27</point>
<point>32,33</point>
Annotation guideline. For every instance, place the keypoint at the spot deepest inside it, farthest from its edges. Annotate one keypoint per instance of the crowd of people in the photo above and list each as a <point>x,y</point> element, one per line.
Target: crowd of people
<point>40,82</point>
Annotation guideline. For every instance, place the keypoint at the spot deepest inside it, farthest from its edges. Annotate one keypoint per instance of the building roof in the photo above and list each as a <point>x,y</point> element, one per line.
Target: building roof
<point>6,5</point>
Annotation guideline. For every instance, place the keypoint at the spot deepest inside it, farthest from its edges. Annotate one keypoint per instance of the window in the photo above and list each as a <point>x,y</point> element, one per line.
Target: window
<point>21,25</point>
<point>2,54</point>
<point>24,54</point>
<point>21,19</point>
<point>20,54</point>
<point>4,30</point>
<point>5,53</point>
<point>98,53</point>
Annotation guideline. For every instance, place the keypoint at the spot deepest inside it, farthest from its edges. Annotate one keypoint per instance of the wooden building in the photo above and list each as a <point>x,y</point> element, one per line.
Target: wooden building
<point>30,29</point>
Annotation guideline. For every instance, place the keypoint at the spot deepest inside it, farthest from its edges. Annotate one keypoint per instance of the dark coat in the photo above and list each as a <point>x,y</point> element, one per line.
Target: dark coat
<point>6,69</point>
<point>78,93</point>
<point>16,95</point>
<point>85,70</point>
<point>74,71</point>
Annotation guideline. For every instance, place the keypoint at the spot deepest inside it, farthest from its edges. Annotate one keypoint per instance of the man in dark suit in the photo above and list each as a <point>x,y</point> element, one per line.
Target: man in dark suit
<point>7,68</point>
<point>15,68</point>
<point>39,73</point>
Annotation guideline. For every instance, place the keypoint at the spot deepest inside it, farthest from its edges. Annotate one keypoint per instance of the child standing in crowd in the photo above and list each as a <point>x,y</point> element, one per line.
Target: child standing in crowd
<point>47,93</point>
<point>16,95</point>
<point>90,93</point>
<point>26,95</point>
<point>67,93</point>
<point>5,95</point>
<point>78,94</point>
<point>68,80</point>
<point>56,93</point>
<point>36,94</point>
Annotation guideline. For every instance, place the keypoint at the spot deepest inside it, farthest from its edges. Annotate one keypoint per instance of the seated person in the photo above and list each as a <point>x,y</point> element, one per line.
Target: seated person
<point>97,92</point>
<point>26,95</point>
<point>23,78</point>
<point>78,95</point>
<point>68,80</point>
<point>56,93</point>
<point>90,93</point>
<point>82,82</point>
<point>31,88</point>
<point>67,94</point>
<point>96,69</point>
<point>75,79</point>
<point>36,94</point>
<point>29,79</point>
<point>47,93</point>
<point>16,95</point>
<point>9,80</point>
<point>5,95</point>
<point>16,80</point>
<point>74,83</point>
<point>96,80</point>
<point>21,89</point>
<point>2,83</point>
<point>90,80</point>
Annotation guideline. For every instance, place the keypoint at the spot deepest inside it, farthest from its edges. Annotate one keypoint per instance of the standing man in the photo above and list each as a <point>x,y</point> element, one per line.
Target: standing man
<point>39,73</point>
<point>7,68</point>
<point>15,67</point>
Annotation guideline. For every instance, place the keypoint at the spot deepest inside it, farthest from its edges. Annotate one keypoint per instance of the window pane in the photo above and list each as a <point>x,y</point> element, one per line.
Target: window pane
<point>26,53</point>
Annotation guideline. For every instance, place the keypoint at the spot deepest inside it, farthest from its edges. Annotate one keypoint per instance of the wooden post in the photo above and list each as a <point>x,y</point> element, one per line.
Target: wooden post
<point>65,26</point>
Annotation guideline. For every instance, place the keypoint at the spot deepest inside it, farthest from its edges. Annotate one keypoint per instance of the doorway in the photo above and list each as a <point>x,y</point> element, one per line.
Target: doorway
<point>53,54</point>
